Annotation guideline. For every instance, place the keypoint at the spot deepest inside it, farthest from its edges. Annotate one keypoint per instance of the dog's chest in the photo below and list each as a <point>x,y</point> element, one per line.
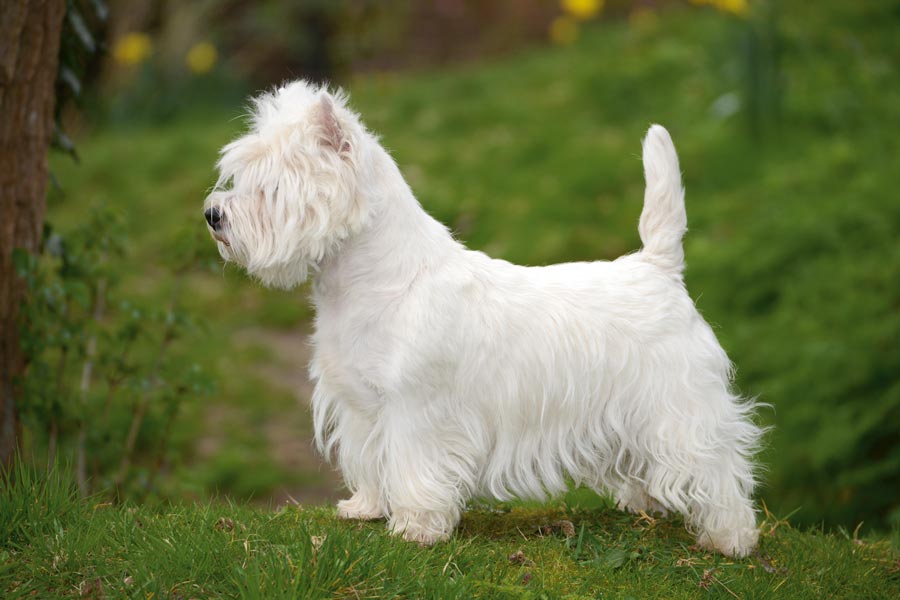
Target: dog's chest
<point>353,356</point>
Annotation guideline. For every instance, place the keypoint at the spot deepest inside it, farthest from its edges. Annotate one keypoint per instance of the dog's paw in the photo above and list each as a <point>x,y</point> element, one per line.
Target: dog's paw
<point>423,528</point>
<point>737,543</point>
<point>631,498</point>
<point>359,509</point>
<point>424,538</point>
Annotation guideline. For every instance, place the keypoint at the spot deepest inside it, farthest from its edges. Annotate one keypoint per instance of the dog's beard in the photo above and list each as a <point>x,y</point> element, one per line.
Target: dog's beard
<point>268,251</point>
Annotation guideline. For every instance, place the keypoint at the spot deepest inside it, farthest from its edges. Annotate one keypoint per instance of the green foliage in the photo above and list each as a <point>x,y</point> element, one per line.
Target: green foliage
<point>60,547</point>
<point>98,366</point>
<point>80,49</point>
<point>154,93</point>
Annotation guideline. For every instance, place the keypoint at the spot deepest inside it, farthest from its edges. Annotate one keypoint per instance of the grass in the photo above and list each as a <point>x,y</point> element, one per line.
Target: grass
<point>55,545</point>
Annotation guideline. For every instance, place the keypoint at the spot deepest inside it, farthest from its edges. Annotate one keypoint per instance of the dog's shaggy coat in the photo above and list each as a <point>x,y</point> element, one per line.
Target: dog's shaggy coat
<point>443,374</point>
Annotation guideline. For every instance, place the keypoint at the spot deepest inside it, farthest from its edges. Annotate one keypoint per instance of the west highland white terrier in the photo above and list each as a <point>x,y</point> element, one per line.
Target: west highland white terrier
<point>443,374</point>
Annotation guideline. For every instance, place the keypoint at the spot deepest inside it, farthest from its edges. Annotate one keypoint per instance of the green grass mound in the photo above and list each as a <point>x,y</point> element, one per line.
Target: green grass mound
<point>53,545</point>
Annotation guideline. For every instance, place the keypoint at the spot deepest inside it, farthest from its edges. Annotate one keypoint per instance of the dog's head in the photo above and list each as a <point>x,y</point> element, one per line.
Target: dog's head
<point>287,193</point>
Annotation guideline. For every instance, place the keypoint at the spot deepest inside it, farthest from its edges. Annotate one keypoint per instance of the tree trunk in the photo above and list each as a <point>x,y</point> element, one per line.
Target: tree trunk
<point>29,50</point>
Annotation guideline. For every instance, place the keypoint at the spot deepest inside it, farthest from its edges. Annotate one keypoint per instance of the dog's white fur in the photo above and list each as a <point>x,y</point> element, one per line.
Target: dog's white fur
<point>443,374</point>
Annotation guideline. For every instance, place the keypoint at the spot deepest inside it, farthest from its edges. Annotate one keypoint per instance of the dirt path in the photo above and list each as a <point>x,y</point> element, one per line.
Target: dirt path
<point>289,435</point>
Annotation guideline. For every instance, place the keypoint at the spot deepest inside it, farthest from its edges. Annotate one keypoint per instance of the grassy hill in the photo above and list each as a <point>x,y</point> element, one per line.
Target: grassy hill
<point>55,546</point>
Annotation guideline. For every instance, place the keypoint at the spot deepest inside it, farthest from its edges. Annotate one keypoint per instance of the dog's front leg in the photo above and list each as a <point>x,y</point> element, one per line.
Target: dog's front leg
<point>360,469</point>
<point>429,473</point>
<point>363,505</point>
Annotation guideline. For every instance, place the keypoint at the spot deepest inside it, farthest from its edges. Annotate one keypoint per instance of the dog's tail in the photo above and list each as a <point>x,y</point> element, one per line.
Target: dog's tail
<point>663,220</point>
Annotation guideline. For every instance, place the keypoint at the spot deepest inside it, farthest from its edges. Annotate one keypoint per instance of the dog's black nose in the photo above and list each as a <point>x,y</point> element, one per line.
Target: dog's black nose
<point>213,217</point>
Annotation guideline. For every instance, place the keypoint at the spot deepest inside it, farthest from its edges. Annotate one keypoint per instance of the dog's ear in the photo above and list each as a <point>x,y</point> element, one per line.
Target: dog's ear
<point>333,134</point>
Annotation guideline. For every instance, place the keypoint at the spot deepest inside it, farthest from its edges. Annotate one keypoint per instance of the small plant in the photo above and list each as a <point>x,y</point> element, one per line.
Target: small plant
<point>102,386</point>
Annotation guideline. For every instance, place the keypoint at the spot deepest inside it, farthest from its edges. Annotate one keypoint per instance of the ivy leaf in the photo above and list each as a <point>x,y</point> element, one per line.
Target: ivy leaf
<point>100,9</point>
<point>68,76</point>
<point>64,142</point>
<point>81,29</point>
<point>613,558</point>
<point>55,245</point>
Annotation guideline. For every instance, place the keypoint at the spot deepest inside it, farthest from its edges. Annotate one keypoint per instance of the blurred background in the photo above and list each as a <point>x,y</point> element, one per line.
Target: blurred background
<point>517,123</point>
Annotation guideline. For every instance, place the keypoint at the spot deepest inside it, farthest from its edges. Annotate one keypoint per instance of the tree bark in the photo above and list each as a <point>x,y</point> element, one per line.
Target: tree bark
<point>29,52</point>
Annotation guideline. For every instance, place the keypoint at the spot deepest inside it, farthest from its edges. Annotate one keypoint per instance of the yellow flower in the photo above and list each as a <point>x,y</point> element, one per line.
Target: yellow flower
<point>132,49</point>
<point>563,30</point>
<point>739,8</point>
<point>201,58</point>
<point>735,7</point>
<point>582,9</point>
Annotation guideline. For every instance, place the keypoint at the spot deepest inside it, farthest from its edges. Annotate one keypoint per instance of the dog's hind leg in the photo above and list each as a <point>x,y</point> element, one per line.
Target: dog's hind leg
<point>701,468</point>
<point>721,509</point>
<point>712,496</point>
<point>730,528</point>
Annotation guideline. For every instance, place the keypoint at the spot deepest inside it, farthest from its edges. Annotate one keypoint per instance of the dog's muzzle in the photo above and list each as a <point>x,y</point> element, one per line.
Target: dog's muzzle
<point>215,218</point>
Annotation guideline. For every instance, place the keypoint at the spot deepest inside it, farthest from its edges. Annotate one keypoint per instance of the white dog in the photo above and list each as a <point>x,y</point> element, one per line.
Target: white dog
<point>443,374</point>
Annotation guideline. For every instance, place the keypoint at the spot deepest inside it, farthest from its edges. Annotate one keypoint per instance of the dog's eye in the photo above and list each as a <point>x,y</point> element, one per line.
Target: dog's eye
<point>225,185</point>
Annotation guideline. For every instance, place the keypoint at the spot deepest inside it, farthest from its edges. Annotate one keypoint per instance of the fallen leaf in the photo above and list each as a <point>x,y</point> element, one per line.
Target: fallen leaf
<point>92,588</point>
<point>224,524</point>
<point>567,528</point>
<point>707,579</point>
<point>614,558</point>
